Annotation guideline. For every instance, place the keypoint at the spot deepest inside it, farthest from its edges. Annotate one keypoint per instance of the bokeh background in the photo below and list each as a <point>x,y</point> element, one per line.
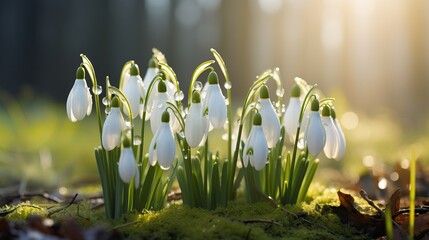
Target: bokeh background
<point>372,55</point>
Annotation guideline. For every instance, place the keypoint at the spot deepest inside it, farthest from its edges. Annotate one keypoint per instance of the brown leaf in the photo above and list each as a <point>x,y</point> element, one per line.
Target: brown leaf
<point>421,226</point>
<point>347,212</point>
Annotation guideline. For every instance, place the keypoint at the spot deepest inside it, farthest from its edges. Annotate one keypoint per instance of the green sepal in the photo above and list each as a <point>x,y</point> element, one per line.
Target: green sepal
<point>151,63</point>
<point>115,102</point>
<point>196,97</point>
<point>296,91</point>
<point>326,111</point>
<point>165,117</point>
<point>257,119</point>
<point>126,142</point>
<point>162,87</point>
<point>263,92</point>
<point>315,105</point>
<point>333,114</point>
<point>80,73</point>
<point>134,70</point>
<point>212,78</point>
<point>162,75</point>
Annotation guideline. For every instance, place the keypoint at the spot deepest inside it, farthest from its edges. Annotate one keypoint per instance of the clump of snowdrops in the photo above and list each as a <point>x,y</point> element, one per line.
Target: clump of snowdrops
<point>272,147</point>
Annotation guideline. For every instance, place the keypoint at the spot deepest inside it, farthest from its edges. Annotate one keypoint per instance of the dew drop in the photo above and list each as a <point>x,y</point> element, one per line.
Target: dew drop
<point>107,110</point>
<point>185,157</point>
<point>227,85</point>
<point>98,90</point>
<point>178,96</point>
<point>105,101</point>
<point>277,104</point>
<point>226,101</point>
<point>137,140</point>
<point>280,92</point>
<point>128,123</point>
<point>160,105</point>
<point>225,137</point>
<point>283,108</point>
<point>182,134</point>
<point>198,86</point>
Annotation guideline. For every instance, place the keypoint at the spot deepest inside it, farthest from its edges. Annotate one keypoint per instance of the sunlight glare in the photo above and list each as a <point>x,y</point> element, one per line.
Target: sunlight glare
<point>350,120</point>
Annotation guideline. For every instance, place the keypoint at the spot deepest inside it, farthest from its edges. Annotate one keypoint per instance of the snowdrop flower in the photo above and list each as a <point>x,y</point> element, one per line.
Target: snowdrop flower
<point>133,90</point>
<point>271,123</point>
<point>150,75</point>
<point>171,90</point>
<point>159,106</point>
<point>342,140</point>
<point>214,102</point>
<point>256,148</point>
<point>196,123</point>
<point>315,132</point>
<point>113,126</point>
<point>127,163</point>
<point>291,117</point>
<point>332,137</point>
<point>79,101</point>
<point>162,148</point>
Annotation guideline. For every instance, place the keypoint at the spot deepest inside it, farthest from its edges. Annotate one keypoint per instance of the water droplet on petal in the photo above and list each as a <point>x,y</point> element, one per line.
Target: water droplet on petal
<point>137,140</point>
<point>277,104</point>
<point>105,101</point>
<point>127,123</point>
<point>227,85</point>
<point>198,86</point>
<point>107,110</point>
<point>98,90</point>
<point>225,137</point>
<point>283,108</point>
<point>280,92</point>
<point>185,157</point>
<point>178,96</point>
<point>160,105</point>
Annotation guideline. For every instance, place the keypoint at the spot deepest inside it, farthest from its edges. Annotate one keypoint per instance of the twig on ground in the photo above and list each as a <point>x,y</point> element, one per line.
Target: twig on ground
<point>364,195</point>
<point>269,221</point>
<point>64,207</point>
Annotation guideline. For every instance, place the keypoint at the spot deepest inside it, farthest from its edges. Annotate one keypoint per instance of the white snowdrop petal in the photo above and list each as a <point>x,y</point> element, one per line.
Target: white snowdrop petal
<point>159,106</point>
<point>153,157</point>
<point>149,77</point>
<point>332,138</point>
<point>194,125</point>
<point>216,106</point>
<point>112,128</point>
<point>260,149</point>
<point>69,107</point>
<point>166,147</point>
<point>270,122</point>
<point>79,99</point>
<point>342,141</point>
<point>131,90</point>
<point>315,134</point>
<point>127,165</point>
<point>291,117</point>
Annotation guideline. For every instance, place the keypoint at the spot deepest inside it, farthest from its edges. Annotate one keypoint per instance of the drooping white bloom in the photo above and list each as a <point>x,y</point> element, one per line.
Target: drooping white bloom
<point>171,90</point>
<point>270,123</point>
<point>127,163</point>
<point>214,102</point>
<point>151,72</point>
<point>133,90</point>
<point>332,137</point>
<point>256,148</point>
<point>196,123</point>
<point>79,101</point>
<point>315,132</point>
<point>159,106</point>
<point>112,127</point>
<point>342,140</point>
<point>162,148</point>
<point>293,110</point>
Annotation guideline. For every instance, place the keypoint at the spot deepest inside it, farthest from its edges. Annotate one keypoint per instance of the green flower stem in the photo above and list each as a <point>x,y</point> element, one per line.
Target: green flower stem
<point>88,65</point>
<point>197,72</point>
<point>176,113</point>
<point>170,73</point>
<point>125,69</point>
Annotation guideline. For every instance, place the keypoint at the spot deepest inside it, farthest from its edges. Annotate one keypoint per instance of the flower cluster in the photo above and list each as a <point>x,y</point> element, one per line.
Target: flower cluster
<point>132,179</point>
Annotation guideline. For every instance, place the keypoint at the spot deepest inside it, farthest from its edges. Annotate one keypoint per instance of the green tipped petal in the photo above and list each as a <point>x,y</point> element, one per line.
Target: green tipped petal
<point>196,98</point>
<point>333,114</point>
<point>326,111</point>
<point>151,63</point>
<point>115,102</point>
<point>80,73</point>
<point>315,105</point>
<point>257,119</point>
<point>165,117</point>
<point>296,91</point>
<point>126,142</point>
<point>162,87</point>
<point>134,70</point>
<point>263,92</point>
<point>212,78</point>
